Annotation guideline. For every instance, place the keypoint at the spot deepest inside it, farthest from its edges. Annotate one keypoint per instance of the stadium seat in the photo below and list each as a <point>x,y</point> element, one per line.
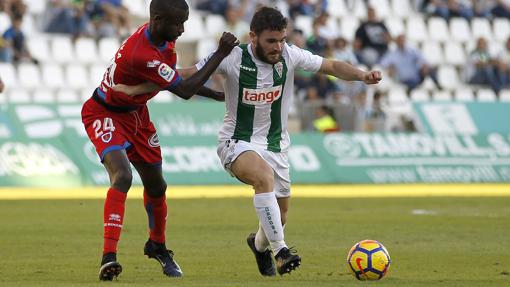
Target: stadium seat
<point>76,76</point>
<point>395,25</point>
<point>416,30</point>
<point>433,53</point>
<point>504,95</point>
<point>19,96</point>
<point>43,96</point>
<point>360,10</point>
<point>96,73</point>
<point>420,95</point>
<point>481,27</point>
<point>438,29</point>
<point>464,94</point>
<point>8,75</point>
<point>5,22</point>
<point>337,8</point>
<point>397,96</point>
<point>486,95</point>
<point>36,7</point>
<point>39,48</point>
<point>85,94</point>
<point>454,54</point>
<point>382,8</point>
<point>136,7</point>
<point>29,76</point>
<point>68,96</point>
<point>53,76</point>
<point>107,48</point>
<point>402,8</point>
<point>206,47</point>
<point>215,25</point>
<point>304,23</point>
<point>62,49</point>
<point>28,25</point>
<point>195,26</point>
<point>448,77</point>
<point>501,28</point>
<point>348,27</point>
<point>459,30</point>
<point>442,96</point>
<point>86,50</point>
<point>164,97</point>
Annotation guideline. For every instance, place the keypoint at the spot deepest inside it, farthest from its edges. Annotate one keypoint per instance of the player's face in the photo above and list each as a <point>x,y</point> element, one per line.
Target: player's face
<point>170,25</point>
<point>269,44</point>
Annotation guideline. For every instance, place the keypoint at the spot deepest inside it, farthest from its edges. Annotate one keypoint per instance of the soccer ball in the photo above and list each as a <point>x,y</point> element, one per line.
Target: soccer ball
<point>368,260</point>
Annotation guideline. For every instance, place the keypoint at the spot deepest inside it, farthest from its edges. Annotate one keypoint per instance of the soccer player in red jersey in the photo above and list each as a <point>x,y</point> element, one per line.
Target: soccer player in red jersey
<point>119,126</point>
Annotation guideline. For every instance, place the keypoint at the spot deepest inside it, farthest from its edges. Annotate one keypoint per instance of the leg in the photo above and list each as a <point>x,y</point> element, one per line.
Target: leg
<point>155,204</point>
<point>119,170</point>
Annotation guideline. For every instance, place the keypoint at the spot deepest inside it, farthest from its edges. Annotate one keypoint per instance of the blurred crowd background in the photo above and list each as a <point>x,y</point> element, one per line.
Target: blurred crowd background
<point>437,50</point>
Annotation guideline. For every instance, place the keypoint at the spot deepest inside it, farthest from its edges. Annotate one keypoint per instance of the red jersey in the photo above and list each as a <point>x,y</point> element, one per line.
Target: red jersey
<point>138,60</point>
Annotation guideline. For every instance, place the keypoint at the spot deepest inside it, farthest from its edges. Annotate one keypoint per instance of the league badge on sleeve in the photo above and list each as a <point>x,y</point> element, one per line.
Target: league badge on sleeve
<point>166,72</point>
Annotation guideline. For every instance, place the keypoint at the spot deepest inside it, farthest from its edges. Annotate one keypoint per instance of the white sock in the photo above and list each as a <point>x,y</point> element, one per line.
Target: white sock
<point>261,242</point>
<point>268,212</point>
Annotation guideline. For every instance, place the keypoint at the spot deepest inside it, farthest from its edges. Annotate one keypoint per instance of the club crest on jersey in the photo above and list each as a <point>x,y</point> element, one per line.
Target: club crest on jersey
<point>166,72</point>
<point>154,140</point>
<point>279,68</point>
<point>261,96</point>
<point>153,63</point>
<point>106,137</point>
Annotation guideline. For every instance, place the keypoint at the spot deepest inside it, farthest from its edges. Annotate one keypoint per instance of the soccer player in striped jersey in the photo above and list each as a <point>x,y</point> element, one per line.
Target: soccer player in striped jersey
<point>254,141</point>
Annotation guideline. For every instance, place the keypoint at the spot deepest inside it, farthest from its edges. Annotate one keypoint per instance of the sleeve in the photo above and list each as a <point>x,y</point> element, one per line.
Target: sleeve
<point>304,59</point>
<point>160,73</point>
<point>222,68</point>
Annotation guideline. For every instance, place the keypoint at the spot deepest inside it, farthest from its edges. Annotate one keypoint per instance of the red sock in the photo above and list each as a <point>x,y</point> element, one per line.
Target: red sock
<point>156,211</point>
<point>113,217</point>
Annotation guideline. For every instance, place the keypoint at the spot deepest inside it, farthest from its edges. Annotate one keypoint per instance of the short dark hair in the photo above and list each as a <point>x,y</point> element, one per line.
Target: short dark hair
<point>165,5</point>
<point>267,18</point>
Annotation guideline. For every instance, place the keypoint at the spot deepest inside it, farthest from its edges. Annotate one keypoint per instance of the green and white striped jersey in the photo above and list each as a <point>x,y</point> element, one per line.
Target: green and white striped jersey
<point>259,95</point>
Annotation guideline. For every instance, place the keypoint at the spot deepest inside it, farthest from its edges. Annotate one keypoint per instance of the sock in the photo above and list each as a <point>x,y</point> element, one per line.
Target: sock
<point>156,212</point>
<point>261,242</point>
<point>113,215</point>
<point>268,212</point>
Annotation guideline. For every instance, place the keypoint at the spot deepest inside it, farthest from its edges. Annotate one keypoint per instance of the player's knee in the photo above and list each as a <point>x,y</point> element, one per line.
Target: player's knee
<point>157,190</point>
<point>122,180</point>
<point>264,180</point>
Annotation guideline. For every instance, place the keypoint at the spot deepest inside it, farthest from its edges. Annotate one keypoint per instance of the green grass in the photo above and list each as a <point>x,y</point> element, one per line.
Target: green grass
<point>465,242</point>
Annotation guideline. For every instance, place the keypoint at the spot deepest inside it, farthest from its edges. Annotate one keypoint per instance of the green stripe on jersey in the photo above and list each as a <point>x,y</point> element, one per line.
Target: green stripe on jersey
<point>245,113</point>
<point>274,136</point>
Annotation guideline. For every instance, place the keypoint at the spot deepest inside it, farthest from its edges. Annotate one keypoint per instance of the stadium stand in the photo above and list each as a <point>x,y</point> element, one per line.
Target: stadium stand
<point>69,67</point>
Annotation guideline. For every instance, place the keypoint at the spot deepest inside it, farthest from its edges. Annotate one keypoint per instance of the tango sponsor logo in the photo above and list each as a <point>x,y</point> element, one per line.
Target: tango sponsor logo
<point>261,96</point>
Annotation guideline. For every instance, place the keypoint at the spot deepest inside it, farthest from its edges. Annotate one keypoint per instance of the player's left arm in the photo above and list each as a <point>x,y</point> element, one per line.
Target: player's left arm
<point>348,72</point>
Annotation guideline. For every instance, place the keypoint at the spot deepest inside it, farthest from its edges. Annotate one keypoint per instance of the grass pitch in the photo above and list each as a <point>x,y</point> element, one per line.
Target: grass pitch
<point>432,241</point>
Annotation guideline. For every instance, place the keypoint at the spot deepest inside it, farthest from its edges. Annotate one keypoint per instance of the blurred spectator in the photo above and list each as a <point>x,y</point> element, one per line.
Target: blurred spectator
<point>503,66</point>
<point>324,121</point>
<point>236,25</point>
<point>116,14</point>
<point>371,39</point>
<point>407,65</point>
<point>320,87</point>
<point>13,8</point>
<point>306,7</point>
<point>15,49</point>
<point>448,8</point>
<point>501,9</point>
<point>342,51</point>
<point>315,42</point>
<point>64,17</point>
<point>374,115</point>
<point>213,6</point>
<point>480,68</point>
<point>302,78</point>
<point>324,30</point>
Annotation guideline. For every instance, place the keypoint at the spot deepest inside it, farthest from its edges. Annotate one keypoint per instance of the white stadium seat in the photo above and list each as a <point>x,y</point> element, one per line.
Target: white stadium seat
<point>214,25</point>
<point>442,96</point>
<point>62,49</point>
<point>86,50</point>
<point>459,30</point>
<point>76,76</point>
<point>68,96</point>
<point>28,25</point>
<point>501,28</point>
<point>504,95</point>
<point>486,95</point>
<point>448,77</point>
<point>433,53</point>
<point>395,26</point>
<point>438,29</point>
<point>52,76</point>
<point>164,97</point>
<point>193,29</point>
<point>96,74</point>
<point>29,76</point>
<point>5,22</point>
<point>206,47</point>
<point>464,94</point>
<point>454,54</point>
<point>382,8</point>
<point>402,8</point>
<point>397,96</point>
<point>420,95</point>
<point>416,30</point>
<point>480,27</point>
<point>19,96</point>
<point>107,48</point>
<point>8,74</point>
<point>39,48</point>
<point>43,96</point>
<point>360,10</point>
<point>136,7</point>
<point>304,23</point>
<point>36,7</point>
<point>348,27</point>
<point>337,8</point>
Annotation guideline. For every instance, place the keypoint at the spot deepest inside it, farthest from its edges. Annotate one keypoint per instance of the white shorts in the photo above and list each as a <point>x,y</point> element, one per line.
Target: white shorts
<point>229,150</point>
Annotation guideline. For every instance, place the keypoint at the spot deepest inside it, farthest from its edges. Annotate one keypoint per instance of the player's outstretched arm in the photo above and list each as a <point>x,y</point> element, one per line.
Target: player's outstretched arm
<point>348,72</point>
<point>190,86</point>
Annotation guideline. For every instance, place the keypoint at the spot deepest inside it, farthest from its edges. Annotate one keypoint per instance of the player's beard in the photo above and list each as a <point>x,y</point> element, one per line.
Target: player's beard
<point>260,54</point>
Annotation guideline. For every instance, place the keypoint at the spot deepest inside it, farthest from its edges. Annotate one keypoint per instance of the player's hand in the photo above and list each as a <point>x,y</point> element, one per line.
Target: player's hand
<point>227,42</point>
<point>372,77</point>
